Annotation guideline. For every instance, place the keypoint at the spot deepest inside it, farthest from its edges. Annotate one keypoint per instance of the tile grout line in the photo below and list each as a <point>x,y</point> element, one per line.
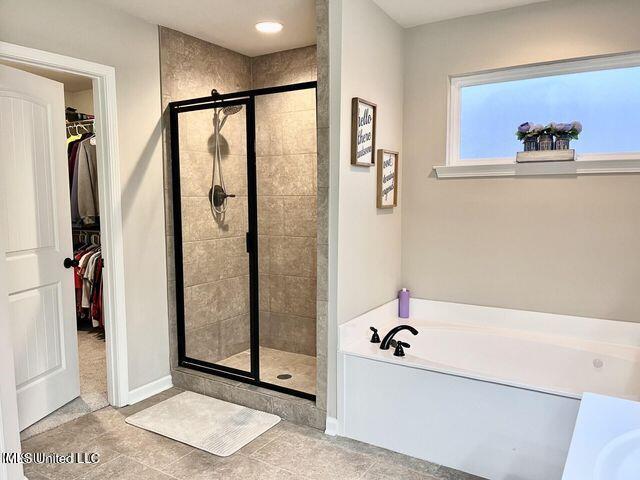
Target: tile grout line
<point>93,439</point>
<point>251,455</point>
<point>374,461</point>
<point>155,469</point>
<point>99,465</point>
<point>276,466</point>
<point>193,449</point>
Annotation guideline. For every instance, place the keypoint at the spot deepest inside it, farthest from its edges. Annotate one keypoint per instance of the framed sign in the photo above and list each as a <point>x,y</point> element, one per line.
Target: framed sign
<point>363,132</point>
<point>387,196</point>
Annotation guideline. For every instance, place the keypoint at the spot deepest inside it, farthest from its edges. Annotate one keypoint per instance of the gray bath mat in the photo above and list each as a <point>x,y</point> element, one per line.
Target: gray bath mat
<point>203,422</point>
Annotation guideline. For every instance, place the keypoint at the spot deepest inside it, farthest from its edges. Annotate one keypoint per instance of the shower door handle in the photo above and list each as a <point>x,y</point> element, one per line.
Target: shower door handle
<point>249,239</point>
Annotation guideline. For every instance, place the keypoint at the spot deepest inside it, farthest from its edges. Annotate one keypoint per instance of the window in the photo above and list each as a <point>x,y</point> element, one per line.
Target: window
<point>602,93</point>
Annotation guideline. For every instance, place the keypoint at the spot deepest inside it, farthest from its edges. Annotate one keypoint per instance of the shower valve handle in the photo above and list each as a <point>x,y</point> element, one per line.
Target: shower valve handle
<point>217,196</point>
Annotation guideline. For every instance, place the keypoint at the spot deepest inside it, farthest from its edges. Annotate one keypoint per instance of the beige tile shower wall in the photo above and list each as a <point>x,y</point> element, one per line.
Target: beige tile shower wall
<point>284,68</point>
<point>215,262</point>
<point>216,269</point>
<point>286,150</point>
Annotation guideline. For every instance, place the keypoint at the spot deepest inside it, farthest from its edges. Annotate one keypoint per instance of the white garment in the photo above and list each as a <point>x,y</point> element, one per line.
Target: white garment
<point>87,279</point>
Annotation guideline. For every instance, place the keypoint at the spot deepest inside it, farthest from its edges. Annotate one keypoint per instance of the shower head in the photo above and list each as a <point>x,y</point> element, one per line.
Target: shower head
<point>227,112</point>
<point>231,110</point>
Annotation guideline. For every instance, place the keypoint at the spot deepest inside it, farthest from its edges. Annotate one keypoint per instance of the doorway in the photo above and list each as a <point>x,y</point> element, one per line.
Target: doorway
<point>240,314</point>
<point>104,379</point>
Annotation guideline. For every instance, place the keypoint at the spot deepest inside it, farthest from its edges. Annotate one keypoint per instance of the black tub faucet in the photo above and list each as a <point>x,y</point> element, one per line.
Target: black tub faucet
<point>386,341</point>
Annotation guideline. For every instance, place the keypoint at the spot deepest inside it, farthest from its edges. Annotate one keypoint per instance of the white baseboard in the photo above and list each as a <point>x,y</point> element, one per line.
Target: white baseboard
<point>332,426</point>
<point>150,389</point>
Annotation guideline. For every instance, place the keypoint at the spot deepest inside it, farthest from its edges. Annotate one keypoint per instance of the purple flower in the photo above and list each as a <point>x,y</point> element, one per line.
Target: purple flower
<point>525,127</point>
<point>562,127</point>
<point>577,126</point>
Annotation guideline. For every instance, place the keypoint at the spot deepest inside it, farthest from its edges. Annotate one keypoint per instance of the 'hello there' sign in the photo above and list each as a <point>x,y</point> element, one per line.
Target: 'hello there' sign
<point>363,132</point>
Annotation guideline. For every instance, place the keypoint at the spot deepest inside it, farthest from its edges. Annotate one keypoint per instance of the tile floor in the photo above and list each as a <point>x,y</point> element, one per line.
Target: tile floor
<point>286,451</point>
<point>92,358</point>
<point>302,368</point>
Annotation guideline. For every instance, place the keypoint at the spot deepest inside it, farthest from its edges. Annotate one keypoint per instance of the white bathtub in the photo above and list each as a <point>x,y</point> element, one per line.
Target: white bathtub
<point>493,392</point>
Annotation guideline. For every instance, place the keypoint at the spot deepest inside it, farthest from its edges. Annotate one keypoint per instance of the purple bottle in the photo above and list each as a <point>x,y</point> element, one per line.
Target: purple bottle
<point>403,303</point>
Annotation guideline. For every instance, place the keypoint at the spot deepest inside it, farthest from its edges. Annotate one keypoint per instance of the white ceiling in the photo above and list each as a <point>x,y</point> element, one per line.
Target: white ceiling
<point>231,23</point>
<point>410,13</point>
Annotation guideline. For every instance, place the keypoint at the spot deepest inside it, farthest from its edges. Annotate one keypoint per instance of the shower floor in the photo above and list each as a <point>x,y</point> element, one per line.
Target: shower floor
<point>273,363</point>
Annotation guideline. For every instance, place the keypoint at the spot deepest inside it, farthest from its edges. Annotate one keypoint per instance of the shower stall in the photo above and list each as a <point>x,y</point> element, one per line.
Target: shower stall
<point>244,218</point>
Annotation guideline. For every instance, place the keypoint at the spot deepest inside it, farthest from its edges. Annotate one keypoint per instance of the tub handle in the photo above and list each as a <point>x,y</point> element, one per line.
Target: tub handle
<point>375,338</point>
<point>399,351</point>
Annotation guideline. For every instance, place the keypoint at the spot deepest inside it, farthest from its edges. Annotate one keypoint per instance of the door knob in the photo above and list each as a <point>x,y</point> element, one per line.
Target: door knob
<point>70,262</point>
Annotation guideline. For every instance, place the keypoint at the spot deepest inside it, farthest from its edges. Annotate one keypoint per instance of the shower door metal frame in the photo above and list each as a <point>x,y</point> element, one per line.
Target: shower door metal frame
<point>247,99</point>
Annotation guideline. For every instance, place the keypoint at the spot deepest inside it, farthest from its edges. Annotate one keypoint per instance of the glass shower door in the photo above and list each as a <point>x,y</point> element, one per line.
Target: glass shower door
<point>211,193</point>
<point>244,202</point>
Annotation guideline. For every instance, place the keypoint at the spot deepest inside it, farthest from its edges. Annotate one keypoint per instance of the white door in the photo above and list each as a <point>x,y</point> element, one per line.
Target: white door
<point>9,432</point>
<point>35,220</point>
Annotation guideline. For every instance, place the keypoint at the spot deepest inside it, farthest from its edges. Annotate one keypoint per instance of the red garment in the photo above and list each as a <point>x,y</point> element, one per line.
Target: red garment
<point>101,310</point>
<point>78,274</point>
<point>76,270</point>
<point>77,282</point>
<point>96,294</point>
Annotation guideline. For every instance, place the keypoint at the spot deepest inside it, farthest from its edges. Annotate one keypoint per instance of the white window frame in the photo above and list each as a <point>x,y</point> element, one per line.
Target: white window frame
<point>626,162</point>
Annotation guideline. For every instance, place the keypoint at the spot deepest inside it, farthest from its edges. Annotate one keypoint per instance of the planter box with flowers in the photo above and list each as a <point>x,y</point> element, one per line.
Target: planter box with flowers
<point>547,144</point>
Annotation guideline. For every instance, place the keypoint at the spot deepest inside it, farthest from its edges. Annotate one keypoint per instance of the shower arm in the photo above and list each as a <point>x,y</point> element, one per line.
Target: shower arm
<point>224,119</point>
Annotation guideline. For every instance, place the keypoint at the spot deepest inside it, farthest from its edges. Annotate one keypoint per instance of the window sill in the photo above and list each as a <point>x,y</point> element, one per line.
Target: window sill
<point>578,167</point>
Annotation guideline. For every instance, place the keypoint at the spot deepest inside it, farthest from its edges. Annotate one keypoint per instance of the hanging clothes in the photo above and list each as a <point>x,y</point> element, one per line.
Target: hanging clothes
<point>96,295</point>
<point>88,283</point>
<point>72,152</point>
<point>73,138</point>
<point>87,166</point>
<point>85,215</point>
<point>83,179</point>
<point>87,279</point>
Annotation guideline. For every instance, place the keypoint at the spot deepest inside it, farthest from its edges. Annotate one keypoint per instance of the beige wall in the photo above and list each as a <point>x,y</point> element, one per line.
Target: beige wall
<point>82,101</point>
<point>553,244</point>
<point>369,239</point>
<point>99,34</point>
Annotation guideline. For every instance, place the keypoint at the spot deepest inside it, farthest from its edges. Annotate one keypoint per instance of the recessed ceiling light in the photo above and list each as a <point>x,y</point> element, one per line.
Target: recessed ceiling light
<point>269,27</point>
